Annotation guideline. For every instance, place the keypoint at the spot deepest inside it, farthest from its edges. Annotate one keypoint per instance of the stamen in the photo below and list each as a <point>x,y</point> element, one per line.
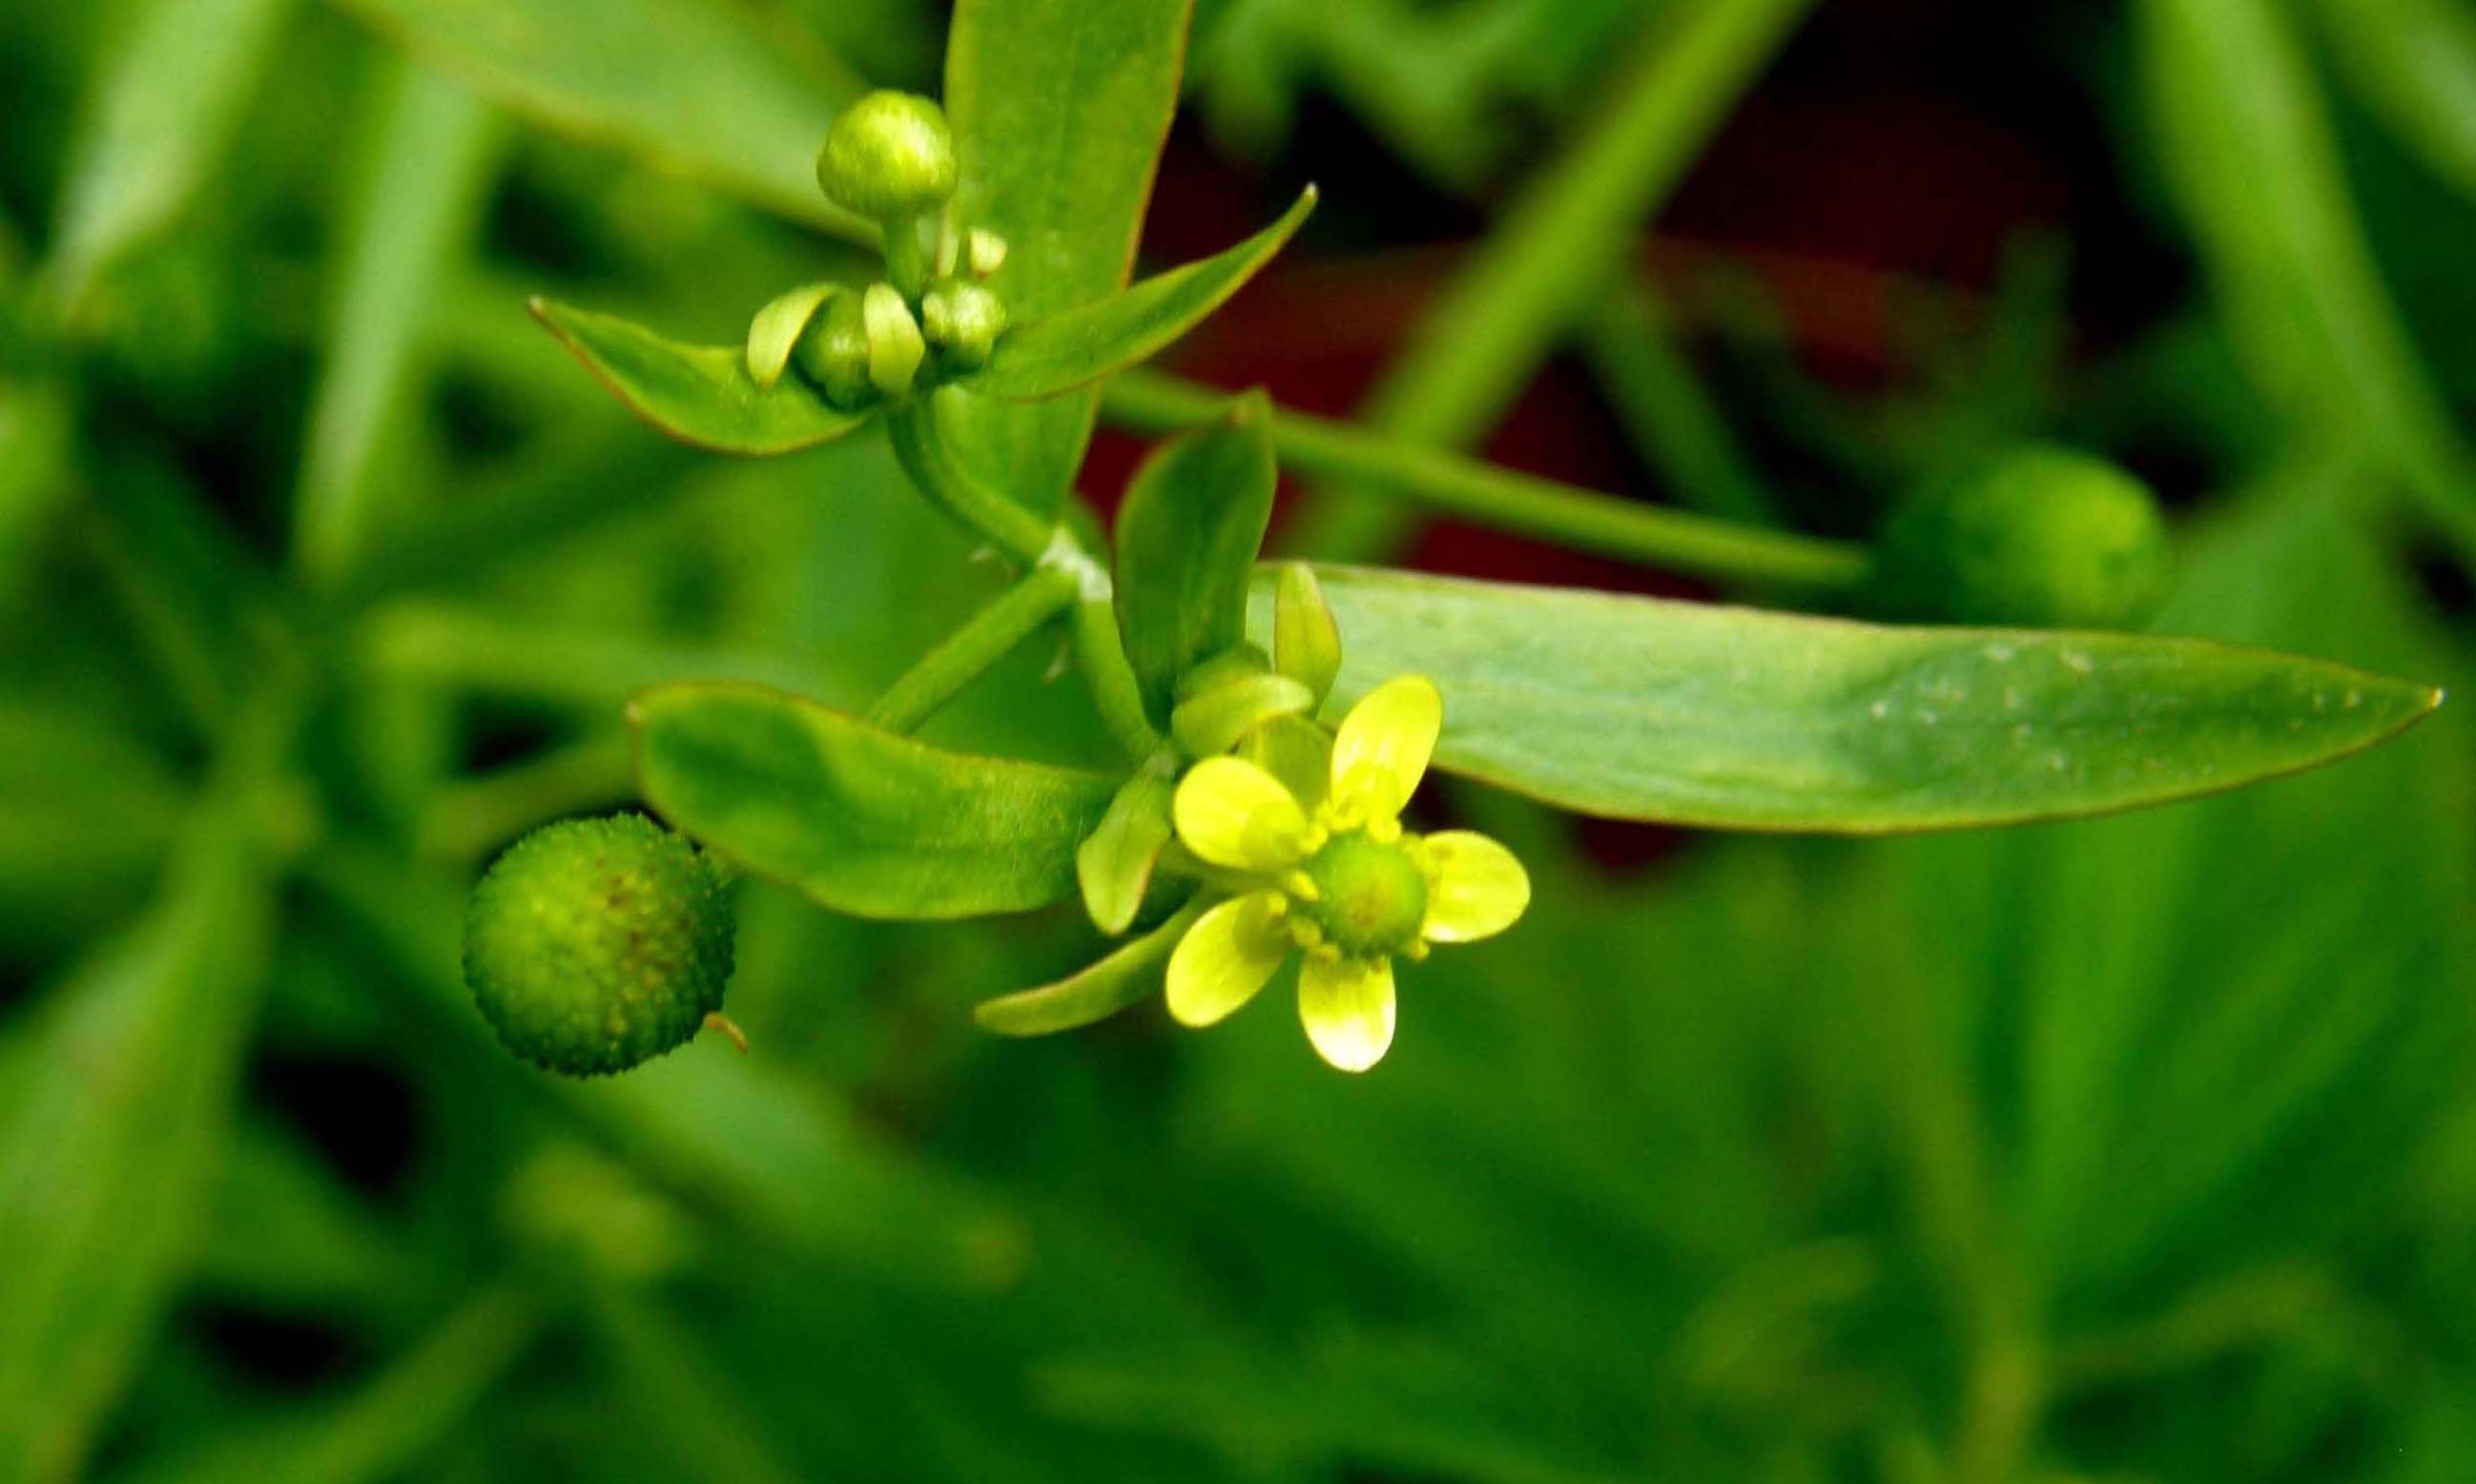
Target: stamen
<point>1300,884</point>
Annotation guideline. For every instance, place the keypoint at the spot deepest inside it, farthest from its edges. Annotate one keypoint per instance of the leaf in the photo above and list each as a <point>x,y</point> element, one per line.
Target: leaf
<point>862,820</point>
<point>1060,110</point>
<point>176,91</point>
<point>421,187</point>
<point>1114,866</point>
<point>699,394</point>
<point>2249,148</point>
<point>1731,718</point>
<point>1124,979</point>
<point>379,1429</point>
<point>694,87</point>
<point>1187,534</point>
<point>117,1103</point>
<point>2414,64</point>
<point>1081,345</point>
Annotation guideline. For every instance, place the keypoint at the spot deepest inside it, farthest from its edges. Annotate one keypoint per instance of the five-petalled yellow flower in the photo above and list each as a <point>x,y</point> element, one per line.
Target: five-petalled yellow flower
<point>1327,871</point>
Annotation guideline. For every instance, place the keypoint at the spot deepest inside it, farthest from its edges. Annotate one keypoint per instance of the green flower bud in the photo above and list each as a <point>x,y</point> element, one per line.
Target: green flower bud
<point>2038,535</point>
<point>984,253</point>
<point>595,944</point>
<point>1306,642</point>
<point>888,157</point>
<point>963,320</point>
<point>895,348</point>
<point>834,353</point>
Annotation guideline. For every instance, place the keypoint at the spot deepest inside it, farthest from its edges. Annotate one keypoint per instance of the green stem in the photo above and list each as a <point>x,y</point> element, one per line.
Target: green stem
<point>1675,540</point>
<point>1101,656</point>
<point>975,507</point>
<point>1675,424</point>
<point>969,650</point>
<point>1483,338</point>
<point>906,257</point>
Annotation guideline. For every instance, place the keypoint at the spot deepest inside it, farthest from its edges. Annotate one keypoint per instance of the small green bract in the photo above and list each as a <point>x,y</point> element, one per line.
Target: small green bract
<point>595,944</point>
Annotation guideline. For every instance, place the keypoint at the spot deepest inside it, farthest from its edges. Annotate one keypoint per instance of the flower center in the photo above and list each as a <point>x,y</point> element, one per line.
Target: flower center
<point>1370,896</point>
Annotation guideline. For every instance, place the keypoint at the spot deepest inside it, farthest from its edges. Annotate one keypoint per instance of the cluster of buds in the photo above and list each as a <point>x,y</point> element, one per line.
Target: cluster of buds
<point>889,158</point>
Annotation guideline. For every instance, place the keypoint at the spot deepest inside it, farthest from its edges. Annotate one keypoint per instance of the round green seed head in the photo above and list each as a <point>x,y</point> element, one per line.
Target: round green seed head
<point>2039,535</point>
<point>888,156</point>
<point>1370,896</point>
<point>595,944</point>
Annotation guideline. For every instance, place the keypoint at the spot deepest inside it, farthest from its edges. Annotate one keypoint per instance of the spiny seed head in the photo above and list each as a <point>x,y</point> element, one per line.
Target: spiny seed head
<point>1370,896</point>
<point>2039,535</point>
<point>888,157</point>
<point>592,945</point>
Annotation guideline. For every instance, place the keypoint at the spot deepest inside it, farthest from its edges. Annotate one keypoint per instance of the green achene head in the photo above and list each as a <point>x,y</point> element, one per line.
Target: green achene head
<point>592,945</point>
<point>2036,536</point>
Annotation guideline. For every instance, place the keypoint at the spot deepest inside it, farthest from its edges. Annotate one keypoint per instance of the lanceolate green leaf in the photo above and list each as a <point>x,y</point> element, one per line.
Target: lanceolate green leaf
<point>173,95</point>
<point>694,87</point>
<point>2414,62</point>
<point>862,820</point>
<point>1698,714</point>
<point>1081,345</point>
<point>1187,536</point>
<point>2251,152</point>
<point>1060,109</point>
<point>700,394</point>
<point>114,1105</point>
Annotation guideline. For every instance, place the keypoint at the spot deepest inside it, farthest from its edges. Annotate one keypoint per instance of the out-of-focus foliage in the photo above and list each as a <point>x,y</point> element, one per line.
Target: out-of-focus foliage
<point>2140,1149</point>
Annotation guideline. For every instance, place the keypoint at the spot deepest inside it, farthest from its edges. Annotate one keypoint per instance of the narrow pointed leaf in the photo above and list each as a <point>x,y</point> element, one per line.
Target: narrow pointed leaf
<point>863,820</point>
<point>1087,343</point>
<point>1060,109</point>
<point>699,394</point>
<point>173,95</point>
<point>1125,977</point>
<point>379,1430</point>
<point>114,1107</point>
<point>1187,536</point>
<point>1699,714</point>
<point>704,90</point>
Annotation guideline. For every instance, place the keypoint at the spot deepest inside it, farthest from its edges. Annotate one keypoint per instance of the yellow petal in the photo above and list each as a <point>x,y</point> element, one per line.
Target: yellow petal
<point>1225,958</point>
<point>1478,891</point>
<point>1232,813</point>
<point>1382,749</point>
<point>1346,1005</point>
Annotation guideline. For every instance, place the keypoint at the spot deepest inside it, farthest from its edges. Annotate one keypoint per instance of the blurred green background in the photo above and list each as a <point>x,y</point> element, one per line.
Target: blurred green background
<point>2138,1149</point>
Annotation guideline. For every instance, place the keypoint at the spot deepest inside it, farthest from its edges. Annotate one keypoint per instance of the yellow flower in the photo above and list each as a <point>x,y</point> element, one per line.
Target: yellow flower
<point>1331,873</point>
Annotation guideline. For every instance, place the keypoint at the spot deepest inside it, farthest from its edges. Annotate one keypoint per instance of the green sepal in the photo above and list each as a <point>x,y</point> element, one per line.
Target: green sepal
<point>860,819</point>
<point>1731,718</point>
<point>1187,535</point>
<point>1125,979</point>
<point>1216,720</point>
<point>1306,643</point>
<point>775,329</point>
<point>1081,345</point>
<point>699,394</point>
<point>895,346</point>
<point>1114,864</point>
<point>1296,750</point>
